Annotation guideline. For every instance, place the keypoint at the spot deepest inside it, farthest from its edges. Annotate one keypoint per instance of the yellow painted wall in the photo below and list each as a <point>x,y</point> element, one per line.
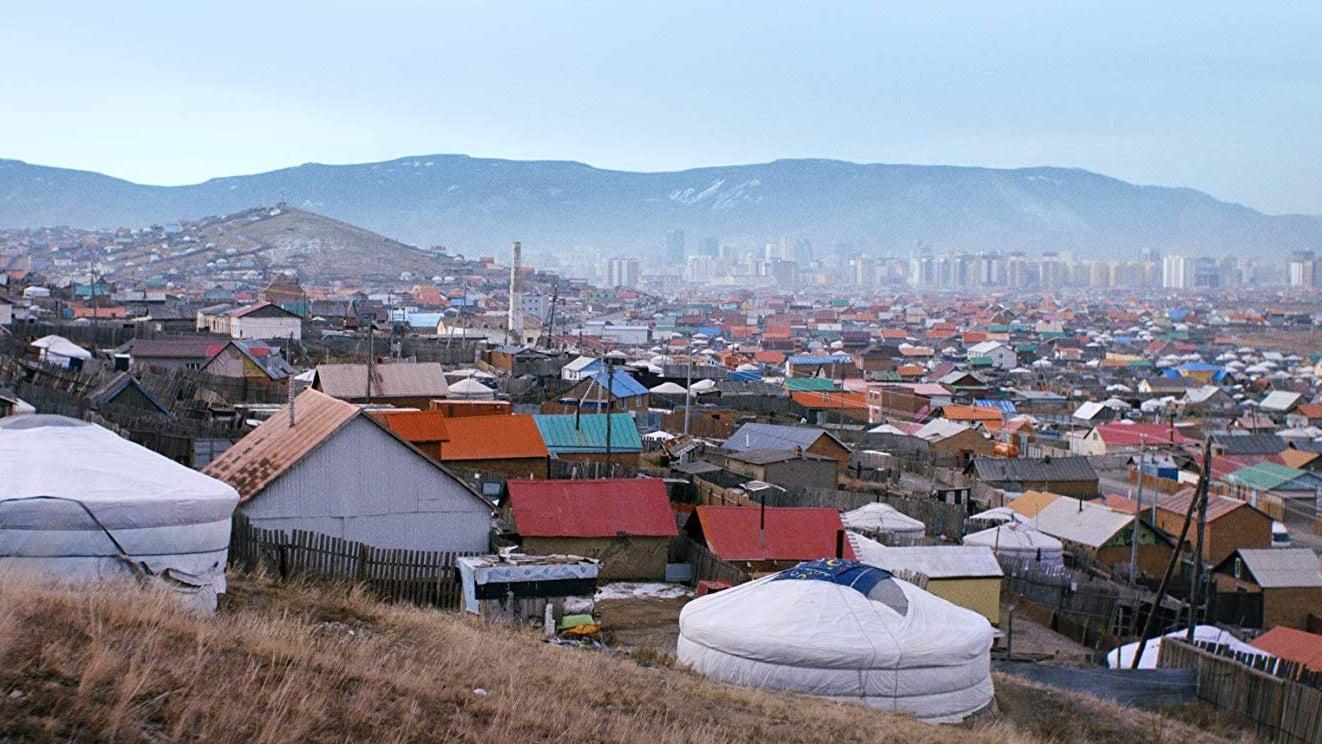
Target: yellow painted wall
<point>983,596</point>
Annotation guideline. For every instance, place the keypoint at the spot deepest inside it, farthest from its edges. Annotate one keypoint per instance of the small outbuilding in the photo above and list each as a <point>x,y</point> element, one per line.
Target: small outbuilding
<point>625,523</point>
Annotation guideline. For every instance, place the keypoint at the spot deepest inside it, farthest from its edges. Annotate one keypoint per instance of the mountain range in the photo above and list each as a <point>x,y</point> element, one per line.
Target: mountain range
<point>479,205</point>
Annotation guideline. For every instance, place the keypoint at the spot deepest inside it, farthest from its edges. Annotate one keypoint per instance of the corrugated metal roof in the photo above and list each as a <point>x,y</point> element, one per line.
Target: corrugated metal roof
<point>591,508</point>
<point>1217,506</point>
<point>418,427</point>
<point>1034,470</point>
<point>1079,522</point>
<point>620,384</point>
<point>1277,568</point>
<point>792,534</point>
<point>934,561</point>
<point>812,384</point>
<point>755,436</point>
<point>1268,476</point>
<point>493,438</point>
<point>404,380</point>
<point>570,433</point>
<point>1292,644</point>
<point>1249,444</point>
<point>272,448</point>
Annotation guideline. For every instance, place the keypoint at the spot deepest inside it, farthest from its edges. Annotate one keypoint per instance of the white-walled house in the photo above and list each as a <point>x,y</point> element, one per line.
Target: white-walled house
<point>264,321</point>
<point>1002,356</point>
<point>339,472</point>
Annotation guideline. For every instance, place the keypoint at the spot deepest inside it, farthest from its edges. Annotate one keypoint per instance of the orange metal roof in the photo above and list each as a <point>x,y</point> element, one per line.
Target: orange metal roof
<point>1298,458</point>
<point>972,413</point>
<point>418,427</point>
<point>492,438</point>
<point>1030,503</point>
<point>826,400</point>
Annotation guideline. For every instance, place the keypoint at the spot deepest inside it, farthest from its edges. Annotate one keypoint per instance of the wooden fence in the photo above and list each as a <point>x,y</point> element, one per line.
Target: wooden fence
<point>706,566</point>
<point>1261,691</point>
<point>939,517</point>
<point>423,577</point>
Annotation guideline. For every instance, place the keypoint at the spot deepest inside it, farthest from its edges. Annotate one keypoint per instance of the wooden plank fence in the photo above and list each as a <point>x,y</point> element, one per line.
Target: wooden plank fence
<point>939,517</point>
<point>422,577</point>
<point>706,565</point>
<point>1262,691</point>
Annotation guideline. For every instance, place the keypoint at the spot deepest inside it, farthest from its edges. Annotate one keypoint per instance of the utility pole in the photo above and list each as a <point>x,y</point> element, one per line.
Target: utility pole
<point>610,406</point>
<point>371,356</point>
<point>1203,479</point>
<point>1196,593</point>
<point>1138,513</point>
<point>688,392</point>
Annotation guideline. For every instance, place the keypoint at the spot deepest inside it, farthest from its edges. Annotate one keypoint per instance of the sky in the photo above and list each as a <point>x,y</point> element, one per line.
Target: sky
<point>1223,97</point>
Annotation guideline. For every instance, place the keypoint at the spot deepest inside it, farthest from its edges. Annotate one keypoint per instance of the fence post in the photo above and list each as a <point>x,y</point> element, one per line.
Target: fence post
<point>364,552</point>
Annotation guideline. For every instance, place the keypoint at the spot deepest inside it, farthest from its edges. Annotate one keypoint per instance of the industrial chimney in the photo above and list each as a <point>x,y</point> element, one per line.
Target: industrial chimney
<point>516,315</point>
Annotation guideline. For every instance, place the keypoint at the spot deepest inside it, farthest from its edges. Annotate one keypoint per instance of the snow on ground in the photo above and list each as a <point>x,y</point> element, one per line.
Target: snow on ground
<point>631,590</point>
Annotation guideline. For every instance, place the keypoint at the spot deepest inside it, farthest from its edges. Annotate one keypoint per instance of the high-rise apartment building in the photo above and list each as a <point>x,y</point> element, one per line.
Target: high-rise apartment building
<point>1303,269</point>
<point>622,271</point>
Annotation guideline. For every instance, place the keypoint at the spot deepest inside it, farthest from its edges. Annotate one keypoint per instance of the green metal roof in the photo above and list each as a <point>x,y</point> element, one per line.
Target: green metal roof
<point>809,384</point>
<point>566,432</point>
<point>980,361</point>
<point>1266,476</point>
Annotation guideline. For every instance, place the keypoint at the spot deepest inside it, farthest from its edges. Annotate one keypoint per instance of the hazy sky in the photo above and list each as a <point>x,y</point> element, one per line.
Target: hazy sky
<point>1222,97</point>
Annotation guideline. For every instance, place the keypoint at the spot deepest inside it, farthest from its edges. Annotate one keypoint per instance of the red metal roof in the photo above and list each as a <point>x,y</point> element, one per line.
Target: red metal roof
<point>591,508</point>
<point>1141,434</point>
<point>1291,644</point>
<point>792,533</point>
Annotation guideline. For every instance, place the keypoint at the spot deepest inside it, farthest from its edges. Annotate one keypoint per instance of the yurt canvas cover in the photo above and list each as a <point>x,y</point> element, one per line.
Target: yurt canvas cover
<point>842,629</point>
<point>879,517</point>
<point>78,502</point>
<point>1020,541</point>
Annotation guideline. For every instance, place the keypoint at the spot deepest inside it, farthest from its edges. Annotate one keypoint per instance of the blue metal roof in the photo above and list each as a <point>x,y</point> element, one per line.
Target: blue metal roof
<point>817,359</point>
<point>621,384</point>
<point>1006,406</point>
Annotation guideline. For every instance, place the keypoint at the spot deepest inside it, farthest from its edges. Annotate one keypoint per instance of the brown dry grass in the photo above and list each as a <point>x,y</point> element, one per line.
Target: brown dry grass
<point>1052,715</point>
<point>315,663</point>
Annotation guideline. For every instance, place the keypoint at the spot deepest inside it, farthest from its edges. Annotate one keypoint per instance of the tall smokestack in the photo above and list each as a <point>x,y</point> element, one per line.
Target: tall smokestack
<point>515,316</point>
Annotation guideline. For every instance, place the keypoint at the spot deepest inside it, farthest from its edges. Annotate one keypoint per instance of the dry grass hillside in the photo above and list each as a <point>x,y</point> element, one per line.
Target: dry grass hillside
<point>315,245</point>
<point>316,663</point>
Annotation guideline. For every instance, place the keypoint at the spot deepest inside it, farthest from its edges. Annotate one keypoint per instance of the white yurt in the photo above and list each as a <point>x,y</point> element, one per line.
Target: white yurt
<point>1122,657</point>
<point>1020,541</point>
<point>78,502</point>
<point>994,516</point>
<point>470,389</point>
<point>844,630</point>
<point>669,388</point>
<point>60,351</point>
<point>884,519</point>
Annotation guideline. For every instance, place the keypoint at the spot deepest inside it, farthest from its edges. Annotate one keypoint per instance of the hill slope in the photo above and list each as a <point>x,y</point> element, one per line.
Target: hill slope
<point>296,239</point>
<point>291,662</point>
<point>476,204</point>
